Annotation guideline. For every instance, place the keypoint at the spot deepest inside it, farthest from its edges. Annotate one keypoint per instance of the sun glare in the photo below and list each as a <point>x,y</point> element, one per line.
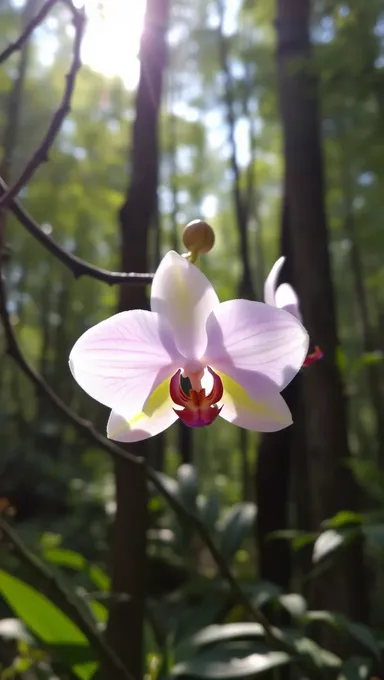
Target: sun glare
<point>112,39</point>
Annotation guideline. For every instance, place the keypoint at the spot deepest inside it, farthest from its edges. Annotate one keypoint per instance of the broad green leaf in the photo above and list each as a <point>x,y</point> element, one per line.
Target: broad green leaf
<point>358,631</point>
<point>374,533</point>
<point>230,631</point>
<point>235,660</point>
<point>321,616</point>
<point>44,619</point>
<point>355,668</point>
<point>294,603</point>
<point>341,519</point>
<point>73,560</point>
<point>362,634</point>
<point>209,509</point>
<point>327,543</point>
<point>193,618</point>
<point>235,527</point>
<point>65,558</point>
<point>307,647</point>
<point>188,485</point>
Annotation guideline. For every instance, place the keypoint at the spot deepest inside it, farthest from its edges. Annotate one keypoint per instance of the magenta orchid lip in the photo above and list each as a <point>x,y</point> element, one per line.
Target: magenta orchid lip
<point>197,407</point>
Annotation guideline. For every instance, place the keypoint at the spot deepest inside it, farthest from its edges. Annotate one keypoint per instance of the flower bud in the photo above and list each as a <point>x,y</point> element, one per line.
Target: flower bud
<point>198,237</point>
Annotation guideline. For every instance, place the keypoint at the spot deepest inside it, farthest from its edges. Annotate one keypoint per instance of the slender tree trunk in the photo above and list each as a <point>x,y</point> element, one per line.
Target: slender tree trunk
<point>272,479</point>
<point>125,625</point>
<point>373,373</point>
<point>246,285</point>
<point>331,486</point>
<point>11,131</point>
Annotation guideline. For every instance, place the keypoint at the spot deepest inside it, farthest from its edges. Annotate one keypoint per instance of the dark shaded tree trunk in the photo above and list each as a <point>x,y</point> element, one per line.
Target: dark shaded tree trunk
<point>331,486</point>
<point>272,478</point>
<point>368,335</point>
<point>125,625</point>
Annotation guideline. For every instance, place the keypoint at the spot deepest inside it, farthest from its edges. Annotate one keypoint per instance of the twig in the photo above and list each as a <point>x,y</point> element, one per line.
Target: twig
<point>41,152</point>
<point>35,21</point>
<point>65,601</point>
<point>76,265</point>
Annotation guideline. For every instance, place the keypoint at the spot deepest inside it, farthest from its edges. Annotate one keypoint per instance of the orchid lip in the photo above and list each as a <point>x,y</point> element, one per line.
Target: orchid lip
<point>197,408</point>
<point>313,356</point>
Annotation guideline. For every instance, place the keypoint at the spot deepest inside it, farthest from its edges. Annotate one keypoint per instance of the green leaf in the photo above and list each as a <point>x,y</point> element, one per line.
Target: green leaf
<point>294,603</point>
<point>209,509</point>
<point>355,668</point>
<point>44,619</point>
<point>230,631</point>
<point>191,619</point>
<point>326,543</point>
<point>306,647</point>
<point>235,660</point>
<point>362,634</point>
<point>341,519</point>
<point>322,616</point>
<point>358,631</point>
<point>236,526</point>
<point>65,558</point>
<point>374,533</point>
<point>188,485</point>
<point>73,560</point>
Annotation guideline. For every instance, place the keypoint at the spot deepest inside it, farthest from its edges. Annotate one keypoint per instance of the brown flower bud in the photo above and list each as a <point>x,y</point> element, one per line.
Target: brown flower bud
<point>198,237</point>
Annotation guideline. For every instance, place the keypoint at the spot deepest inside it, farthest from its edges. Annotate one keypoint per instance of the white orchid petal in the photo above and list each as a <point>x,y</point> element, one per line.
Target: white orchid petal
<point>287,299</point>
<point>260,410</point>
<point>255,337</point>
<point>155,417</point>
<point>121,360</point>
<point>184,296</point>
<point>271,281</point>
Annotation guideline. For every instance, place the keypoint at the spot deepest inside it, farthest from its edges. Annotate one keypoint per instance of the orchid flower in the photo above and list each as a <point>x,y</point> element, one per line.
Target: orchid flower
<point>237,355</point>
<point>284,297</point>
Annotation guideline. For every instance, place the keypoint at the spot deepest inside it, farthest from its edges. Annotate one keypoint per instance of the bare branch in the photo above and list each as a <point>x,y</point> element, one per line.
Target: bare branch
<point>76,265</point>
<point>38,19</point>
<point>41,152</point>
<point>65,601</point>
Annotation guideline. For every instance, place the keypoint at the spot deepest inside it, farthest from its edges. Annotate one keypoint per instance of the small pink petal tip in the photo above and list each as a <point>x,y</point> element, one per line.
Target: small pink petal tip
<point>313,356</point>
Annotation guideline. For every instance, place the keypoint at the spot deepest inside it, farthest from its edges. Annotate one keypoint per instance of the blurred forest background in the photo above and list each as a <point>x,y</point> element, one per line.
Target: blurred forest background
<point>267,120</point>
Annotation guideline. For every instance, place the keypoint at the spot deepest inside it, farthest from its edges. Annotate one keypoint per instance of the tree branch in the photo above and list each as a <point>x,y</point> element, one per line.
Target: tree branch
<point>41,152</point>
<point>38,19</point>
<point>76,265</point>
<point>65,601</point>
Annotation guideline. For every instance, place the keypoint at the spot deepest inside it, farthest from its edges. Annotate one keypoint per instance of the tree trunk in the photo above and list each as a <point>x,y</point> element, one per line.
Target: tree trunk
<point>373,373</point>
<point>11,131</point>
<point>331,485</point>
<point>246,284</point>
<point>125,625</point>
<point>273,474</point>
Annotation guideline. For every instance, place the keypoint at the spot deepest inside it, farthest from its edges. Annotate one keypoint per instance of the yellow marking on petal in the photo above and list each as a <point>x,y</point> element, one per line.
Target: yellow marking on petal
<point>235,398</point>
<point>158,401</point>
